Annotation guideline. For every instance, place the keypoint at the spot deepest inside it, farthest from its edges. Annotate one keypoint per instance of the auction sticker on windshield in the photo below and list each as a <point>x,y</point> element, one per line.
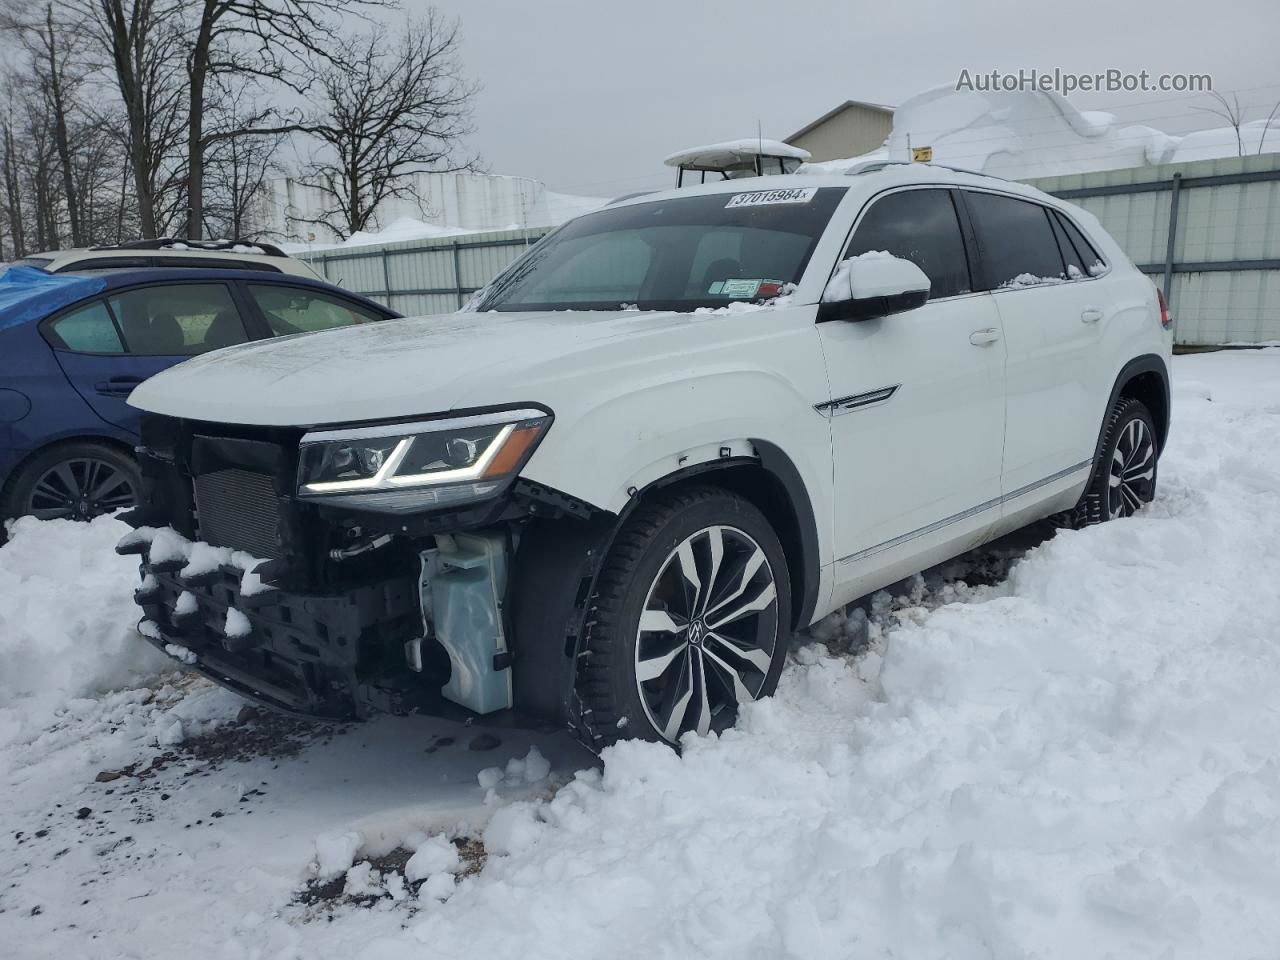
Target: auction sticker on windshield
<point>759,198</point>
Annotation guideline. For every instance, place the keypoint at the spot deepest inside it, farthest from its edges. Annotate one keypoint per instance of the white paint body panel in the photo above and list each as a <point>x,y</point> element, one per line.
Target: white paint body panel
<point>894,487</point>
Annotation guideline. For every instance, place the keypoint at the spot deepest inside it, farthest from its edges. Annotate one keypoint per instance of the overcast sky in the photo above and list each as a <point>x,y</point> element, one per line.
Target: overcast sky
<point>589,95</point>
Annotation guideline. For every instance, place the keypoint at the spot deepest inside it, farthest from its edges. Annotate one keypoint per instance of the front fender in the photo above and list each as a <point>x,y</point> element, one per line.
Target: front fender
<point>603,453</point>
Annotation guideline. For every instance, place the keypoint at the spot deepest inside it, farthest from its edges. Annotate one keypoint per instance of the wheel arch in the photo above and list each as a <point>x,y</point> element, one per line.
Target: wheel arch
<point>1144,378</point>
<point>558,561</point>
<point>106,440</point>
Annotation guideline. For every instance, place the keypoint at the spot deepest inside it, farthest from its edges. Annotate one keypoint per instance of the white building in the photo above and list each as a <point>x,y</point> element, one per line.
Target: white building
<point>438,204</point>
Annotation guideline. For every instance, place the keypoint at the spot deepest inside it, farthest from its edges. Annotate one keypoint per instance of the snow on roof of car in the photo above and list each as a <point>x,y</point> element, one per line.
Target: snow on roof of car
<point>717,155</point>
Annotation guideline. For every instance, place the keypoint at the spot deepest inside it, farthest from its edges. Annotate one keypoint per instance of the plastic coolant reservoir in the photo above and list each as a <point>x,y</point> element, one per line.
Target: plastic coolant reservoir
<point>465,578</point>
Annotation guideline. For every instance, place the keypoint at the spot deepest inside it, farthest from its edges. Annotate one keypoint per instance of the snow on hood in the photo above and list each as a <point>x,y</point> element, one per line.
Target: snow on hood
<point>393,368</point>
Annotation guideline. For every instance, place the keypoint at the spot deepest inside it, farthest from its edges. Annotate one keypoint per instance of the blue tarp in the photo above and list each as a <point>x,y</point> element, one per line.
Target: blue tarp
<point>28,293</point>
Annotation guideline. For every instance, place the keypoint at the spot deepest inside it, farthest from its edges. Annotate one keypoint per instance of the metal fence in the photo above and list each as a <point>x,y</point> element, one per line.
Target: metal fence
<point>419,277</point>
<point>1208,232</point>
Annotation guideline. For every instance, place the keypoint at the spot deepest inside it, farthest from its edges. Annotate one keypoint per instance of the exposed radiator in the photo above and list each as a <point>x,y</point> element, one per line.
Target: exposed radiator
<point>239,509</point>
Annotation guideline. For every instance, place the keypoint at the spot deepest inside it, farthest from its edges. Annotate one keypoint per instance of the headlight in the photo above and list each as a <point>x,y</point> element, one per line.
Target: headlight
<point>407,466</point>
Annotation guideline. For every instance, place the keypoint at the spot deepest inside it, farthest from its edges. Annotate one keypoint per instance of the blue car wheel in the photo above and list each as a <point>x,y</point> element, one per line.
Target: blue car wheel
<point>74,481</point>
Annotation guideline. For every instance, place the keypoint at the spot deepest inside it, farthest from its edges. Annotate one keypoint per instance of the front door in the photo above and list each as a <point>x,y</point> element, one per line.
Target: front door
<point>917,402</point>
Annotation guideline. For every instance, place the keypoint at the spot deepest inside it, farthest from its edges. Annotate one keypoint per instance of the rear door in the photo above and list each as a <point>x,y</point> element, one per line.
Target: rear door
<point>1053,315</point>
<point>108,346</point>
<point>917,411</point>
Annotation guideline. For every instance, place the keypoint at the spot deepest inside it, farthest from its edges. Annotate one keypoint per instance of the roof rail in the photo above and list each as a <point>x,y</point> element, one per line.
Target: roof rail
<point>215,246</point>
<point>879,165</point>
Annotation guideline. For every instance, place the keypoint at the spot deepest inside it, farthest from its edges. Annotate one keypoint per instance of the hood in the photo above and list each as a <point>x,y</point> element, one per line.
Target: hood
<point>389,369</point>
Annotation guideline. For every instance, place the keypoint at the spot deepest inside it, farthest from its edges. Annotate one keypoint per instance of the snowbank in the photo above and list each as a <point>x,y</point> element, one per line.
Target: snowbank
<point>1081,763</point>
<point>435,205</point>
<point>1019,135</point>
<point>66,618</point>
<point>1077,762</point>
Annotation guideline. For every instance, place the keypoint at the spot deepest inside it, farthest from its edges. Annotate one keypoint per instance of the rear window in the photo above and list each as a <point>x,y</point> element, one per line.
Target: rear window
<point>88,329</point>
<point>1084,249</point>
<point>1016,240</point>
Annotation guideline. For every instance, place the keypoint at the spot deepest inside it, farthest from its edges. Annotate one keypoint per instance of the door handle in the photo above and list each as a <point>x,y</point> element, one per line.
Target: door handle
<point>984,337</point>
<point>117,386</point>
<point>1090,315</point>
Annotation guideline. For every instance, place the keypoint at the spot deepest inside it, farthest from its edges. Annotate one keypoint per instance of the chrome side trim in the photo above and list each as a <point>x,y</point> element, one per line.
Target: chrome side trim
<point>964,514</point>
<point>858,401</point>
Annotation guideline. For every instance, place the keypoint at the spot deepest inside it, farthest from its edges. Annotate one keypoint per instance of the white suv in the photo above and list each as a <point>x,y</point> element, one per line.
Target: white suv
<point>676,431</point>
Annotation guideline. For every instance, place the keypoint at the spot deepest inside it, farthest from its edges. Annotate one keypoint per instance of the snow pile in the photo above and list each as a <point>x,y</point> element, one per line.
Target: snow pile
<point>433,205</point>
<point>66,618</point>
<point>1077,763</point>
<point>1256,137</point>
<point>1020,135</point>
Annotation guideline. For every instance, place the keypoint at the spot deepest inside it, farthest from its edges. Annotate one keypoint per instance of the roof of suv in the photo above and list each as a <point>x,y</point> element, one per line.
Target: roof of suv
<point>165,252</point>
<point>878,176</point>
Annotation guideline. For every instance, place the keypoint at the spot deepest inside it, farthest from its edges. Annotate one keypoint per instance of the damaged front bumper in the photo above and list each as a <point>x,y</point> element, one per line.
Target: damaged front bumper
<point>338,614</point>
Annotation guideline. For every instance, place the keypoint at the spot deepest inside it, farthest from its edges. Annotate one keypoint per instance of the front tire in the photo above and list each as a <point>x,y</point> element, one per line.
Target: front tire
<point>1124,476</point>
<point>691,619</point>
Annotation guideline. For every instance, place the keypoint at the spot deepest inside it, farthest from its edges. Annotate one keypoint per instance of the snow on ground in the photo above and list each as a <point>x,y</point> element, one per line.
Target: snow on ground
<point>1073,760</point>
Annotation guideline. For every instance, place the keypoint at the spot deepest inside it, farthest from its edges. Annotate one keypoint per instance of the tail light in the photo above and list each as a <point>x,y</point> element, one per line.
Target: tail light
<point>1166,321</point>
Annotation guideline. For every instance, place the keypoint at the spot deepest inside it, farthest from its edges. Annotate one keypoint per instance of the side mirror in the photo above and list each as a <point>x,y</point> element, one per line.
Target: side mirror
<point>873,284</point>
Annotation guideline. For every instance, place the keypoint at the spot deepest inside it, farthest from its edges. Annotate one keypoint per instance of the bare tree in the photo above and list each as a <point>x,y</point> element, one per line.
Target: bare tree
<point>9,163</point>
<point>1230,111</point>
<point>144,47</point>
<point>1266,127</point>
<point>237,167</point>
<point>400,106</point>
<point>270,41</point>
<point>50,34</point>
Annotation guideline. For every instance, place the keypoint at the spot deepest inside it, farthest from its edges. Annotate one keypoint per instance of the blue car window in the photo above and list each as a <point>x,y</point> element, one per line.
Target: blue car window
<point>300,310</point>
<point>88,329</point>
<point>178,319</point>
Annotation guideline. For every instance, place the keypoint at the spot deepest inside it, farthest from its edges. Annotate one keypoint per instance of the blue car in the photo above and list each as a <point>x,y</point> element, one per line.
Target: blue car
<point>74,345</point>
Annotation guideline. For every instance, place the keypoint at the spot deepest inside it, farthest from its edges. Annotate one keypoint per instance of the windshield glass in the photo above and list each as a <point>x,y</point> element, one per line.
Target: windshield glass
<point>675,254</point>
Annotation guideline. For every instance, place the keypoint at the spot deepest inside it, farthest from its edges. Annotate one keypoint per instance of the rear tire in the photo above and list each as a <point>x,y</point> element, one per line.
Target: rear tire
<point>1124,475</point>
<point>691,617</point>
<point>78,480</point>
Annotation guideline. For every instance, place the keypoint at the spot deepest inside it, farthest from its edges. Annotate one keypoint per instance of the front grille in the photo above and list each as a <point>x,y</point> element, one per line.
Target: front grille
<point>239,509</point>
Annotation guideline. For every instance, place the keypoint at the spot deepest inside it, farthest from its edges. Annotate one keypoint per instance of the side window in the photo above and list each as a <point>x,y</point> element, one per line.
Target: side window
<point>302,310</point>
<point>178,319</point>
<point>920,226</point>
<point>1070,256</point>
<point>1016,239</point>
<point>88,329</point>
<point>1088,255</point>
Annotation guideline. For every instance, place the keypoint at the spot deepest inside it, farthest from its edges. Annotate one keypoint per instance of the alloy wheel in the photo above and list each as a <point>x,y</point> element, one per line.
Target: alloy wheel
<point>80,489</point>
<point>1132,471</point>
<point>708,632</point>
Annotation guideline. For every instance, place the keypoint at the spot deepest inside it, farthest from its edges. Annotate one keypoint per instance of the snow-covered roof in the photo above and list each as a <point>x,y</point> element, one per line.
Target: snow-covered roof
<point>1020,135</point>
<point>717,156</point>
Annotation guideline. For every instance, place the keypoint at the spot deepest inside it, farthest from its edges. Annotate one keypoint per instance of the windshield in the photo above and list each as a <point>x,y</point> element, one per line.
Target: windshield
<point>675,254</point>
